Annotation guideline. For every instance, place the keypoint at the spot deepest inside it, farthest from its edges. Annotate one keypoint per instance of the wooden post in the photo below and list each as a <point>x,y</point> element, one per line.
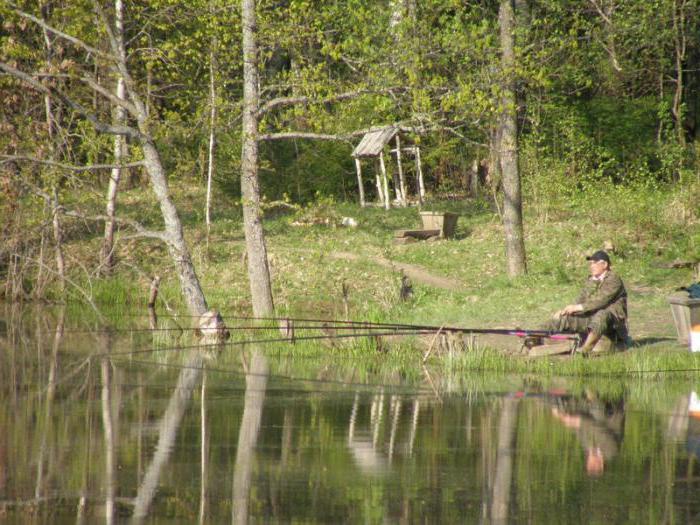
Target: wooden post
<point>380,191</point>
<point>358,167</point>
<point>153,292</point>
<point>474,179</point>
<point>402,180</point>
<point>419,173</point>
<point>152,297</point>
<point>387,204</point>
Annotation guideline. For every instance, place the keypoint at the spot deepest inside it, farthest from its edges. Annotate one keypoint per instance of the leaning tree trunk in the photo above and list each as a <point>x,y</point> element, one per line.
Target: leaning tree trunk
<point>180,254</point>
<point>172,234</point>
<point>258,270</point>
<point>508,148</point>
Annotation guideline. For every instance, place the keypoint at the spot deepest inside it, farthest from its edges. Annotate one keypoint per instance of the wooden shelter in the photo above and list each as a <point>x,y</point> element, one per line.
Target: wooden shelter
<point>372,147</point>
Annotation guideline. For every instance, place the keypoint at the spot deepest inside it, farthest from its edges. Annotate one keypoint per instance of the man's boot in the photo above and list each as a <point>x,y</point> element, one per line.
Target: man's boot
<point>604,346</point>
<point>589,344</point>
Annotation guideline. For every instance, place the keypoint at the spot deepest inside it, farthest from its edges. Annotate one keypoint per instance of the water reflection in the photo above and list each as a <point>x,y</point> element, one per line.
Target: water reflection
<point>598,425</point>
<point>255,384</point>
<point>94,434</point>
<point>187,382</point>
<point>693,435</point>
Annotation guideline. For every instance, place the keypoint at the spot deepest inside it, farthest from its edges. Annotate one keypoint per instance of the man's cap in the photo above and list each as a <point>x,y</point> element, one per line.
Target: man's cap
<point>600,255</point>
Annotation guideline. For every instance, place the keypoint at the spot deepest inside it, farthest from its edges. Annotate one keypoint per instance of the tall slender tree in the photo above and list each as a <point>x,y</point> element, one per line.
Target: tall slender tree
<point>508,146</point>
<point>119,144</point>
<point>258,269</point>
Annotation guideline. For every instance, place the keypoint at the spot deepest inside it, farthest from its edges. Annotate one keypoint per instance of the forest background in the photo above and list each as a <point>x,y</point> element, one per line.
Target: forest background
<point>231,115</point>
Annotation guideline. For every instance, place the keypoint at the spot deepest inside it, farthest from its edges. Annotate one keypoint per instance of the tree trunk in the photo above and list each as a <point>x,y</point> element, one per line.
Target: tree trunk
<point>680,45</point>
<point>177,247</point>
<point>173,235</point>
<point>51,127</point>
<point>119,147</point>
<point>40,281</point>
<point>212,141</point>
<point>212,124</point>
<point>508,148</point>
<point>258,269</point>
<point>58,240</point>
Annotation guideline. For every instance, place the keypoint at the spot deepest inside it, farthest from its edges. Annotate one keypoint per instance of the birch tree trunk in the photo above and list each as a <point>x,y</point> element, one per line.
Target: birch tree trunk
<point>212,137</point>
<point>175,240</point>
<point>258,269</point>
<point>51,127</point>
<point>212,122</point>
<point>177,247</point>
<point>508,148</point>
<point>119,145</point>
<point>172,234</point>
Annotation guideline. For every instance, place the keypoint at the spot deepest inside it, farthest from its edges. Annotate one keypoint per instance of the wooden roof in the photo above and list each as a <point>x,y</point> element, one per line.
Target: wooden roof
<point>373,142</point>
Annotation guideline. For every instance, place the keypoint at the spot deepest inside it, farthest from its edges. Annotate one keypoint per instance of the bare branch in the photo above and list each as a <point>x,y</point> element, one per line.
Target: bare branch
<point>302,135</point>
<point>291,101</point>
<point>65,36</point>
<point>602,13</point>
<point>141,231</point>
<point>23,158</point>
<point>80,289</point>
<point>120,57</point>
<point>77,107</point>
<point>109,95</point>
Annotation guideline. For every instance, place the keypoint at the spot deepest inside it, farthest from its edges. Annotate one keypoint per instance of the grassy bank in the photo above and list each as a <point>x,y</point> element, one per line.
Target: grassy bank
<point>312,257</point>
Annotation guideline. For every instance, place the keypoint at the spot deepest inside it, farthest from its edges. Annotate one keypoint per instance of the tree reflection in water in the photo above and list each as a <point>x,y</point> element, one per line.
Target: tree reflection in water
<point>255,385</point>
<point>102,433</point>
<point>167,430</point>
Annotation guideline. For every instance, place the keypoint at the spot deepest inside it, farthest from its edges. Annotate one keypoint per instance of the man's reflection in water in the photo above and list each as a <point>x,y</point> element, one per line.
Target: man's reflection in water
<point>693,436</point>
<point>599,425</point>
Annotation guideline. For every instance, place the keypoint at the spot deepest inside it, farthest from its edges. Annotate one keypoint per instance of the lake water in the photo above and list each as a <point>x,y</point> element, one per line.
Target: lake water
<point>127,427</point>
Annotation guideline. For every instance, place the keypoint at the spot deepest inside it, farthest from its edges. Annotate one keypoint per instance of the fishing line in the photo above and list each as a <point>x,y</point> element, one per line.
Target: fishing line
<point>259,341</point>
<point>271,375</point>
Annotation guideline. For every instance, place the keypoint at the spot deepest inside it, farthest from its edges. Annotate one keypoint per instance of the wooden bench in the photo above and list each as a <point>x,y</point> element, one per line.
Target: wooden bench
<point>417,234</point>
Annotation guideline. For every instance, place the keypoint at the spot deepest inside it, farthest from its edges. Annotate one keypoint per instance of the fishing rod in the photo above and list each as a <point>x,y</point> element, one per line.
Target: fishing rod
<point>342,324</point>
<point>292,324</point>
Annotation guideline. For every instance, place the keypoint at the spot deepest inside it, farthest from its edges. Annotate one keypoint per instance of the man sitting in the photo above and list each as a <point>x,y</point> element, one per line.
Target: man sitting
<point>600,310</point>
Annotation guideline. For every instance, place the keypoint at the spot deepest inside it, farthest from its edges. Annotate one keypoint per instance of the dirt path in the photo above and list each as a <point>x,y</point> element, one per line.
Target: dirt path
<point>416,273</point>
